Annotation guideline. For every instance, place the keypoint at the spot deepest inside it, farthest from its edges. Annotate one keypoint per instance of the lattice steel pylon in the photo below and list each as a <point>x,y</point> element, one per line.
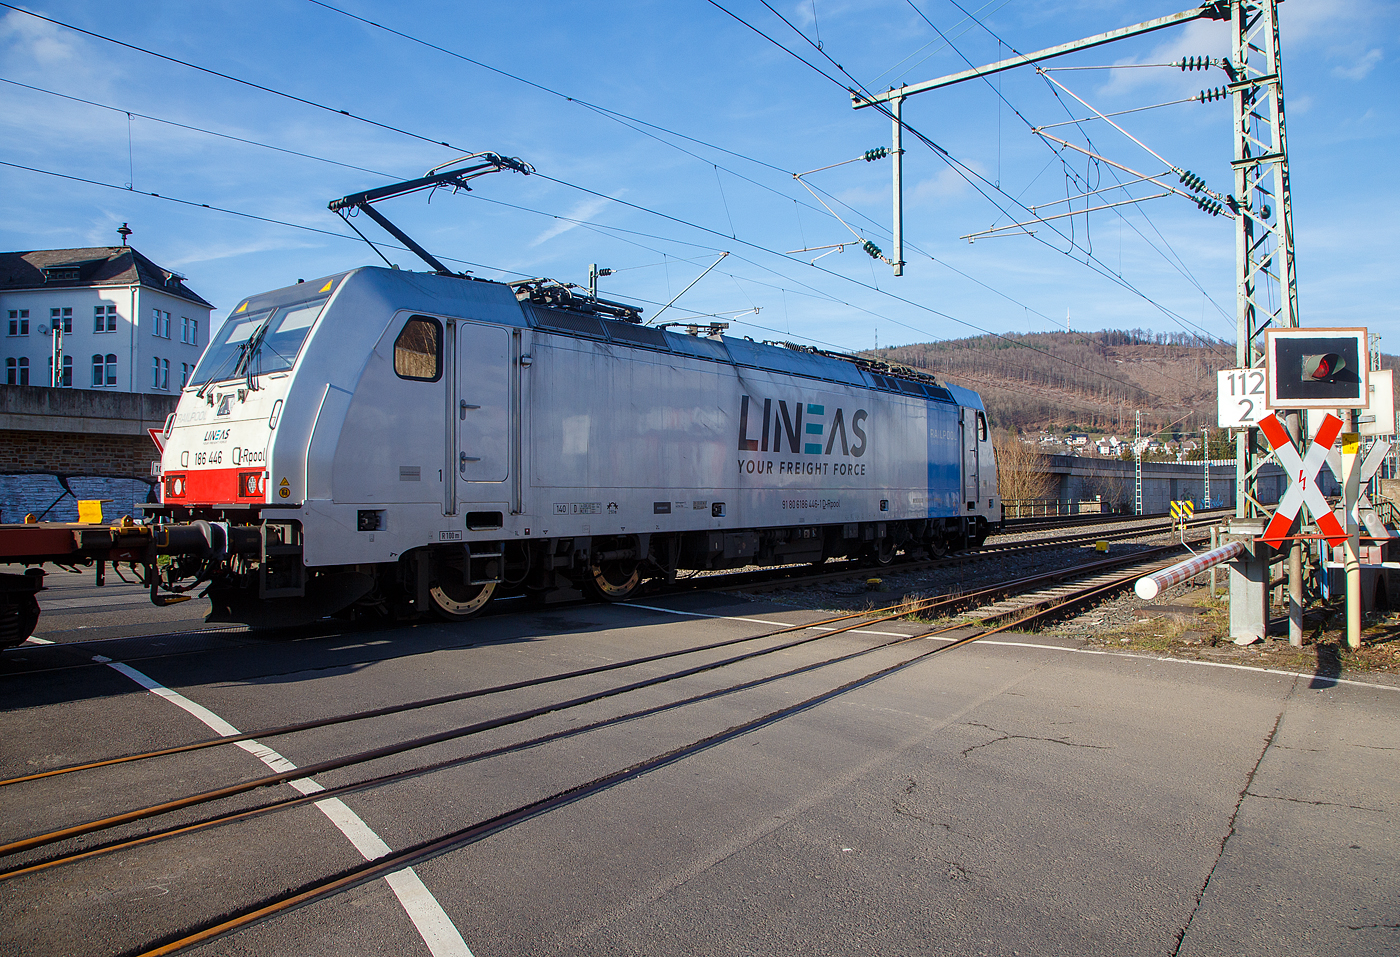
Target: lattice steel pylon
<point>1266,280</point>
<point>1137,464</point>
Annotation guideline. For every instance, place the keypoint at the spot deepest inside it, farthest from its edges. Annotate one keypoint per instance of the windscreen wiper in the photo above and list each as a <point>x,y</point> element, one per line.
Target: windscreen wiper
<point>249,353</point>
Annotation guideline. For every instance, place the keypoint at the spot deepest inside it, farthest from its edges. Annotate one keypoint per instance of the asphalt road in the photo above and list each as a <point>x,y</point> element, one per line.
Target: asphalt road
<point>1012,796</point>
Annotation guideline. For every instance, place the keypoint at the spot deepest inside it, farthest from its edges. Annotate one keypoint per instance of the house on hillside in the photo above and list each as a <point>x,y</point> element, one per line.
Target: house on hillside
<point>103,317</point>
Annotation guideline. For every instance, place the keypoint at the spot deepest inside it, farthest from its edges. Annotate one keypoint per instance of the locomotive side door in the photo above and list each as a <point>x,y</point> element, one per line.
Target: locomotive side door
<point>481,408</point>
<point>973,428</point>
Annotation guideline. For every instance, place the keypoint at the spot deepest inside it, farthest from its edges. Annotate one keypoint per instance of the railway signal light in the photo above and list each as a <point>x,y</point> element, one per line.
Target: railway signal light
<point>1317,369</point>
<point>1323,368</point>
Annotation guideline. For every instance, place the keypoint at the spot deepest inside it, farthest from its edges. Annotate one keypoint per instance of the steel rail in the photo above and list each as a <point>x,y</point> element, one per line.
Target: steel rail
<point>870,617</point>
<point>310,770</point>
<point>768,580</point>
<point>517,717</point>
<point>370,783</point>
<point>894,611</point>
<point>412,856</point>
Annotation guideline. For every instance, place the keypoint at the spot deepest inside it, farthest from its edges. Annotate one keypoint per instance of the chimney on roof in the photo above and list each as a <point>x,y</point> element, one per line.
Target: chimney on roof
<point>124,231</point>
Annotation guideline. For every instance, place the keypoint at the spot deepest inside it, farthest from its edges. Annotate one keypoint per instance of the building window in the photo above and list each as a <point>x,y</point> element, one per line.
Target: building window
<point>104,372</point>
<point>64,316</point>
<point>17,371</point>
<point>104,319</point>
<point>160,323</point>
<point>189,331</point>
<point>165,374</point>
<point>184,374</point>
<point>19,322</point>
<point>155,373</point>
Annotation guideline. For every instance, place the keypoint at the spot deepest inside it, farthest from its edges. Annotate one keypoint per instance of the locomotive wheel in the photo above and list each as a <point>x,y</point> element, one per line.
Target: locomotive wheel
<point>615,580</point>
<point>937,547</point>
<point>460,601</point>
<point>884,551</point>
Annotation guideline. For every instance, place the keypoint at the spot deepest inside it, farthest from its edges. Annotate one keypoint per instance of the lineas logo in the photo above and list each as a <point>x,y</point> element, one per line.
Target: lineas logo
<point>802,427</point>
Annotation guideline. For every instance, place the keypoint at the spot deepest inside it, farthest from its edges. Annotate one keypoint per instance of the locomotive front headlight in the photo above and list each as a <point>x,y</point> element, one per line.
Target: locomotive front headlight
<point>174,486</point>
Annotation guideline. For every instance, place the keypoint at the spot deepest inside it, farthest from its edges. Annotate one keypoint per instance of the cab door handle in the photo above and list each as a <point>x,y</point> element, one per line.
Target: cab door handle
<point>462,411</point>
<point>464,459</point>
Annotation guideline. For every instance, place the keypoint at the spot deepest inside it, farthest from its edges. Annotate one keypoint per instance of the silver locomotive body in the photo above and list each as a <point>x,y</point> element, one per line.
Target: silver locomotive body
<point>412,442</point>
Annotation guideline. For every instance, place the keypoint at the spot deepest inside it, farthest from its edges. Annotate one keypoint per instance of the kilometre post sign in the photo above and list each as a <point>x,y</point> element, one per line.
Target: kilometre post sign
<point>1240,397</point>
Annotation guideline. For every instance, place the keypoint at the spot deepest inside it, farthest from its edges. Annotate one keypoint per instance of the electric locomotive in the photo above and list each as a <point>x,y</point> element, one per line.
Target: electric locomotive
<point>400,442</point>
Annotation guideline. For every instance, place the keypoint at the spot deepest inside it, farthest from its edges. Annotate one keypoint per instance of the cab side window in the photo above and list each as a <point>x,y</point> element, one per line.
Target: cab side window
<point>981,427</point>
<point>418,350</point>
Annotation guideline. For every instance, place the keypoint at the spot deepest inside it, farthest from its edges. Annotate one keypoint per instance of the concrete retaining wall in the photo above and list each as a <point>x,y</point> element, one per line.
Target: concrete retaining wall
<point>1083,479</point>
<point>60,445</point>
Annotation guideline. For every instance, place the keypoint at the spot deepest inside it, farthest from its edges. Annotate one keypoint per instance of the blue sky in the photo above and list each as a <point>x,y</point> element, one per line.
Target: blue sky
<point>679,144</point>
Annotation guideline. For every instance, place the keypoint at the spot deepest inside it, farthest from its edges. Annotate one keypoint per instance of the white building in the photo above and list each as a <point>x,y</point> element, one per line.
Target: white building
<point>124,324</point>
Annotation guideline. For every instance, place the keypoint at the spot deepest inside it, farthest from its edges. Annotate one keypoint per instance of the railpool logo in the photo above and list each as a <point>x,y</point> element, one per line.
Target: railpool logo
<point>819,433</point>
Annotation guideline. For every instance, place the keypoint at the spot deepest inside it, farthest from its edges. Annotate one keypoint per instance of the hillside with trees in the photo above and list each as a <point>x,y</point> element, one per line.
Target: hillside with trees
<point>1083,381</point>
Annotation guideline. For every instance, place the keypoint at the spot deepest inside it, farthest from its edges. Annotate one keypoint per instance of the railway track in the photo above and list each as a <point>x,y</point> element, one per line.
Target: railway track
<point>992,610</point>
<point>774,579</point>
<point>743,582</point>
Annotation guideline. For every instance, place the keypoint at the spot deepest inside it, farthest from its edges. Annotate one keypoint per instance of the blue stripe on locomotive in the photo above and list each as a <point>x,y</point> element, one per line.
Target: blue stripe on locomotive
<point>944,461</point>
<point>945,452</point>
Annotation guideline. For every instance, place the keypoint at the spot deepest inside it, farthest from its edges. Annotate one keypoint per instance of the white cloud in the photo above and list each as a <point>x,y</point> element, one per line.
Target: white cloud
<point>214,252</point>
<point>37,40</point>
<point>1197,38</point>
<point>582,212</point>
<point>946,184</point>
<point>1360,67</point>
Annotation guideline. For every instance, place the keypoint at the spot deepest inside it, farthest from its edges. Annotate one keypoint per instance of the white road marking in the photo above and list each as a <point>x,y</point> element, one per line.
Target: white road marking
<point>1193,661</point>
<point>432,922</point>
<point>1030,644</point>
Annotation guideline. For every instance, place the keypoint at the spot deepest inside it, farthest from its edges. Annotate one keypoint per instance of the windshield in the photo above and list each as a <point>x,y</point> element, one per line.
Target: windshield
<point>257,343</point>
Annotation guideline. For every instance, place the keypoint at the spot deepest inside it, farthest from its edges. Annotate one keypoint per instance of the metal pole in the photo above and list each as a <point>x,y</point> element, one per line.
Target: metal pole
<point>897,152</point>
<point>57,377</point>
<point>1351,483</point>
<point>687,288</point>
<point>1206,11</point>
<point>1214,544</point>
<point>1295,553</point>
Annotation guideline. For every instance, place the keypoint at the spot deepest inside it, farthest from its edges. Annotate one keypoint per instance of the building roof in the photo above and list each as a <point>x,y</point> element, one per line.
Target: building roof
<point>93,266</point>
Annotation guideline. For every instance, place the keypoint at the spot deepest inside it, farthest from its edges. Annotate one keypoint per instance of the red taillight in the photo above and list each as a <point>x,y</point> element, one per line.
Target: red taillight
<point>174,486</point>
<point>250,484</point>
